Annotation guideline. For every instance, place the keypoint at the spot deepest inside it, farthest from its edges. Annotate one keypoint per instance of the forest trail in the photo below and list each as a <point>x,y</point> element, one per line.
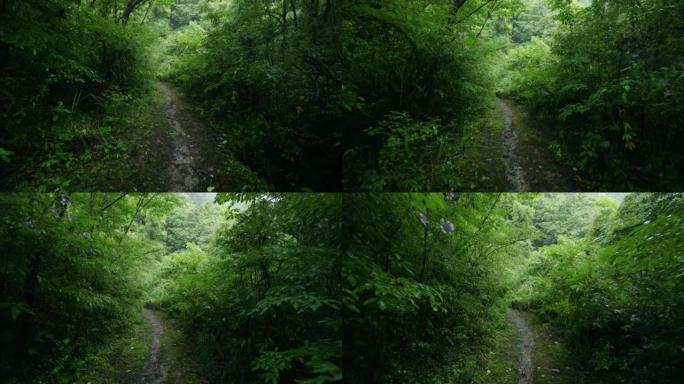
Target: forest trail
<point>154,371</point>
<point>525,347</point>
<point>529,164</point>
<point>509,141</point>
<point>187,167</point>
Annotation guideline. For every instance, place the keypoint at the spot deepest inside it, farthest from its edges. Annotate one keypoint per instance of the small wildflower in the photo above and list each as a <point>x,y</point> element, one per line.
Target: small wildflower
<point>447,226</point>
<point>423,219</point>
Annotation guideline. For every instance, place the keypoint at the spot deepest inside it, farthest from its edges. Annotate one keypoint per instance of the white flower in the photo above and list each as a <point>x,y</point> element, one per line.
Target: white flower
<point>447,226</point>
<point>423,219</point>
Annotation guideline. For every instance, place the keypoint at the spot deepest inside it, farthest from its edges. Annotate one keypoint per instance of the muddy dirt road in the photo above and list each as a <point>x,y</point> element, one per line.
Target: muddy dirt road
<point>515,172</point>
<point>185,167</point>
<point>525,347</point>
<point>154,371</point>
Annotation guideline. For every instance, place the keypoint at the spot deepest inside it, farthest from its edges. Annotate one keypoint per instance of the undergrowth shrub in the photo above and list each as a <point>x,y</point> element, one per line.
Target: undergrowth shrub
<point>414,155</point>
<point>261,302</point>
<point>62,64</point>
<point>412,286</point>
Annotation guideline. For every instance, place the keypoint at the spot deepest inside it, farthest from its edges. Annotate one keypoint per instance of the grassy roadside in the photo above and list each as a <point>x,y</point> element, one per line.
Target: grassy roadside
<point>481,165</point>
<point>143,125</point>
<point>500,363</point>
<point>123,361</point>
<point>217,166</point>
<point>148,133</point>
<point>124,145</point>
<point>120,361</point>
<point>553,362</point>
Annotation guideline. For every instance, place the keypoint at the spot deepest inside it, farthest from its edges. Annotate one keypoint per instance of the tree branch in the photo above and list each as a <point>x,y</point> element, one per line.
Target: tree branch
<point>473,12</point>
<point>489,15</point>
<point>114,202</point>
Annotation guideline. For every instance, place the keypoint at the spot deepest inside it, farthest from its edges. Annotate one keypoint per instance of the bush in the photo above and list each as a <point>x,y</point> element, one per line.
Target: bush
<point>62,63</point>
<point>414,155</point>
<point>401,58</point>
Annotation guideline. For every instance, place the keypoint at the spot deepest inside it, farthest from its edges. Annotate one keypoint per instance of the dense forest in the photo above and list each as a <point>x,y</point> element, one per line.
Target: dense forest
<point>244,290</point>
<point>439,288</point>
<point>311,288</point>
<point>391,95</point>
<point>184,95</point>
<point>513,94</point>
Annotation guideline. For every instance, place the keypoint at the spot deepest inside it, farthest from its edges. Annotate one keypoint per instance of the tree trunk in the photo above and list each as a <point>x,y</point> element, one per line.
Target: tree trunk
<point>131,6</point>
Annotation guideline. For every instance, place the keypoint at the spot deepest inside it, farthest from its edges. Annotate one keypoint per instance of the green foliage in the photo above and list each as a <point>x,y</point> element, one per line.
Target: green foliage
<point>194,223</point>
<point>179,51</point>
<point>66,65</point>
<point>605,272</point>
<point>611,89</point>
<point>534,21</point>
<point>568,216</point>
<point>112,149</point>
<point>403,58</point>
<point>429,296</point>
<point>266,74</point>
<point>414,155</point>
<point>615,290</point>
<point>71,281</point>
<point>262,302</point>
<point>285,288</point>
<point>527,70</point>
<point>259,301</point>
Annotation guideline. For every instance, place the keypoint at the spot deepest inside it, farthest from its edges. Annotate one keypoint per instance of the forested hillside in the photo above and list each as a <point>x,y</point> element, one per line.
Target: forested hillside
<point>373,287</point>
<point>595,282</point>
<point>587,94</point>
<point>243,292</point>
<point>88,100</point>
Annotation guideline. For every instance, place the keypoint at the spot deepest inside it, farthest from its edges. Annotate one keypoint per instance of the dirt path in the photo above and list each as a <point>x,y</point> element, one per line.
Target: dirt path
<point>525,347</point>
<point>185,170</point>
<point>529,161</point>
<point>154,371</point>
<point>509,141</point>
